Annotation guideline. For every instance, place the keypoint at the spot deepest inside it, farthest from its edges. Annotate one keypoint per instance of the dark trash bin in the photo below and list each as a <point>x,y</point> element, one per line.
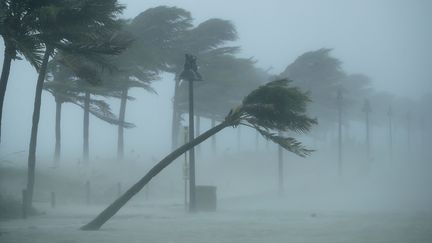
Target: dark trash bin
<point>205,198</point>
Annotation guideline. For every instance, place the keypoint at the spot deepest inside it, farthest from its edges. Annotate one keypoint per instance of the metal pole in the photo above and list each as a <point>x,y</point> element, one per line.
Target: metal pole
<point>280,168</point>
<point>339,103</point>
<point>390,114</point>
<point>190,74</point>
<point>191,151</point>
<point>238,137</point>
<point>256,140</point>
<point>367,110</point>
<point>409,132</point>
<point>53,200</point>
<point>367,136</point>
<point>24,204</point>
<point>88,193</point>
<point>185,170</point>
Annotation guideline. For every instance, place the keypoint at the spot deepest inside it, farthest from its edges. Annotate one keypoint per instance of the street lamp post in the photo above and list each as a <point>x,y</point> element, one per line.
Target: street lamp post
<point>186,169</point>
<point>408,124</point>
<point>390,115</point>
<point>280,169</point>
<point>367,110</point>
<point>339,105</point>
<point>190,74</point>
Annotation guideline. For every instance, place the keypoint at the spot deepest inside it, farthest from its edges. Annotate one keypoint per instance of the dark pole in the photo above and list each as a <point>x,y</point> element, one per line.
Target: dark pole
<point>423,135</point>
<point>390,114</point>
<point>57,133</point>
<point>408,117</point>
<point>256,140</point>
<point>87,187</point>
<point>185,169</point>
<point>367,110</point>
<point>280,168</point>
<point>339,104</point>
<point>238,137</point>
<point>190,74</point>
<point>86,127</point>
<point>191,151</point>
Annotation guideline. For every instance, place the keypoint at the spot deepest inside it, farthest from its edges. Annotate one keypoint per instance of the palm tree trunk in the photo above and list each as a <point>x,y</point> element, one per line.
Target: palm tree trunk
<point>57,133</point>
<point>86,125</point>
<point>8,54</point>
<point>112,209</point>
<point>175,118</point>
<point>34,131</point>
<point>120,138</point>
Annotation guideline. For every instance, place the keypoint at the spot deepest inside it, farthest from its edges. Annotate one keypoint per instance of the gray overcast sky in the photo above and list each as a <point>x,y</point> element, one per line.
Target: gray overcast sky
<point>388,40</point>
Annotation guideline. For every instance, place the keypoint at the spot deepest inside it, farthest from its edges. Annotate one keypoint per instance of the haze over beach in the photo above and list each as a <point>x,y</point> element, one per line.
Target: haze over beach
<point>315,116</point>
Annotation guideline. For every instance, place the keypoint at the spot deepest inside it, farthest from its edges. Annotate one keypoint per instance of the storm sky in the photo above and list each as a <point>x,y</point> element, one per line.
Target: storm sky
<point>389,40</point>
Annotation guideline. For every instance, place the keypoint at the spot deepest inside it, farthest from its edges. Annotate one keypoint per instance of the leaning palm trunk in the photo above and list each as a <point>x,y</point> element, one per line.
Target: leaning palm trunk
<point>120,139</point>
<point>34,131</point>
<point>86,125</point>
<point>213,139</point>
<point>265,109</point>
<point>197,130</point>
<point>57,132</point>
<point>105,215</point>
<point>8,54</point>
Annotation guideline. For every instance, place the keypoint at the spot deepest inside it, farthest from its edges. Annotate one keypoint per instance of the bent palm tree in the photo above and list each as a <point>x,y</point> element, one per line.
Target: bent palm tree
<point>272,107</point>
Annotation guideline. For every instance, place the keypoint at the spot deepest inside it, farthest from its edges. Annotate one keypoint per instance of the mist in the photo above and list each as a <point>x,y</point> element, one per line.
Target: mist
<point>338,150</point>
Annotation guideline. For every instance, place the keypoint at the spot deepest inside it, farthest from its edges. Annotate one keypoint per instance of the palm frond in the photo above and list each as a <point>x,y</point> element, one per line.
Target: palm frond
<point>278,106</point>
<point>288,143</point>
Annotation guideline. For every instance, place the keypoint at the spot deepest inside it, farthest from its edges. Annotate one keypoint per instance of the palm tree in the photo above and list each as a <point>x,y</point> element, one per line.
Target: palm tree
<point>169,31</point>
<point>275,106</point>
<point>159,33</point>
<point>206,41</point>
<point>66,87</point>
<point>129,75</point>
<point>71,26</point>
<point>18,38</point>
<point>75,79</point>
<point>58,85</point>
<point>227,80</point>
<point>136,67</point>
<point>321,74</point>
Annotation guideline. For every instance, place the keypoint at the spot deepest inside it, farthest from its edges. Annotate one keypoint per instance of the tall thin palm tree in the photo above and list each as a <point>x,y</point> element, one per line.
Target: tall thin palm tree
<point>272,107</point>
<point>70,80</point>
<point>19,39</point>
<point>71,26</point>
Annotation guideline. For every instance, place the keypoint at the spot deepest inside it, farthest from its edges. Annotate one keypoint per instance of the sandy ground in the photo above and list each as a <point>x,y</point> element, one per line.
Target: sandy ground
<point>168,222</point>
